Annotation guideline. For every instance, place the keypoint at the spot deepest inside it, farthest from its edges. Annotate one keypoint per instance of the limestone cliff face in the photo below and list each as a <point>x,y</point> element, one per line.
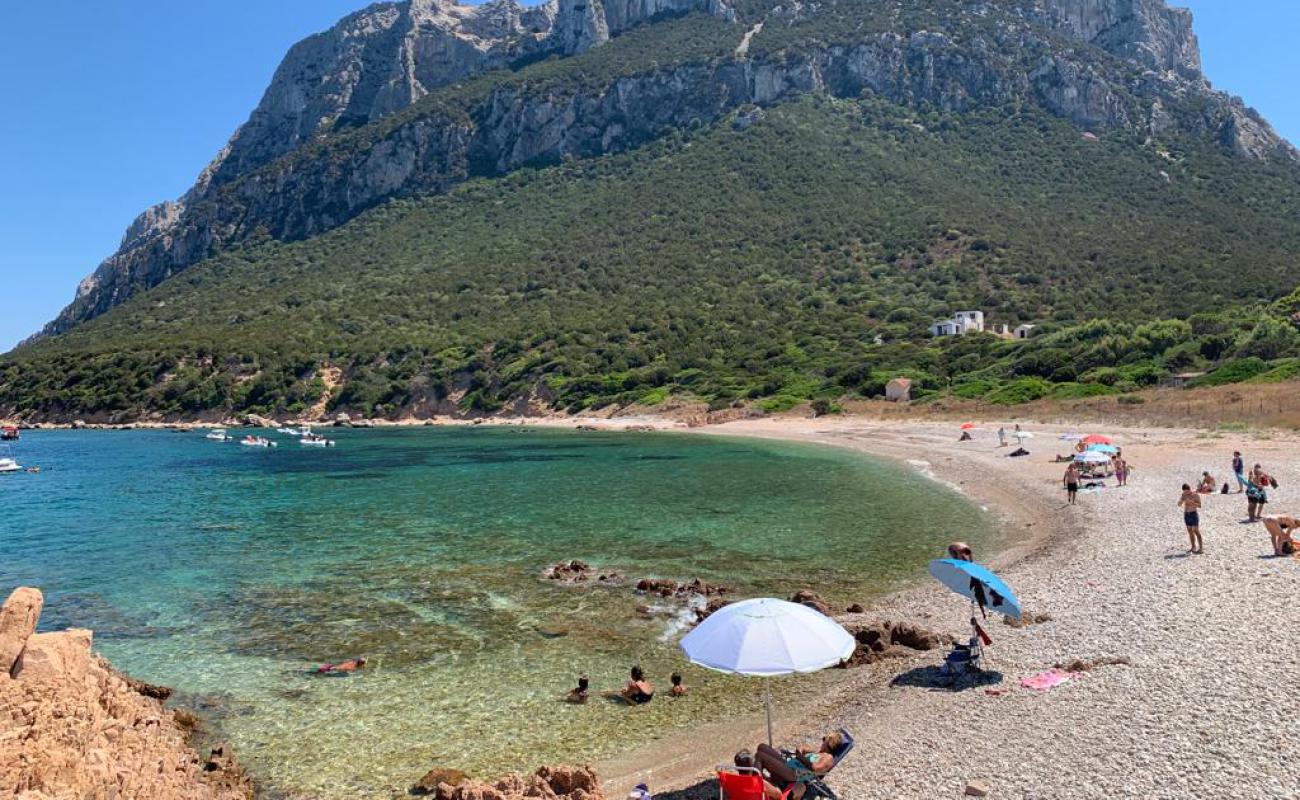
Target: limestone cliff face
<point>1146,31</point>
<point>385,58</point>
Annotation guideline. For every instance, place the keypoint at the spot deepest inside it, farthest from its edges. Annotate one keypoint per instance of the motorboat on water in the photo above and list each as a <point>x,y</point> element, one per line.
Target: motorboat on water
<point>9,433</point>
<point>218,435</point>
<point>256,441</point>
<point>293,431</point>
<point>315,440</point>
<point>9,465</point>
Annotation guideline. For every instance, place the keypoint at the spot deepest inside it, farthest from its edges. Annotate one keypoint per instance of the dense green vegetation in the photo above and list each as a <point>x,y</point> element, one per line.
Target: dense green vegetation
<point>800,258</point>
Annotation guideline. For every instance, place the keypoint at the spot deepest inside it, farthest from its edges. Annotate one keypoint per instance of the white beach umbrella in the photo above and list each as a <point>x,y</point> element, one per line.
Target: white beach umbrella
<point>766,637</point>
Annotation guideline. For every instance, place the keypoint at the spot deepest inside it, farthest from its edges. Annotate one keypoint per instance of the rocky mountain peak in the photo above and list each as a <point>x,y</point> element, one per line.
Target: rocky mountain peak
<point>388,56</point>
<point>1149,32</point>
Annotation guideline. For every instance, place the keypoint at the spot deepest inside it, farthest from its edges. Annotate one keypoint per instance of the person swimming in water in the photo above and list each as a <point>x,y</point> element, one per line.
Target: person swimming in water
<point>351,665</point>
<point>579,695</point>
<point>638,691</point>
<point>960,551</point>
<point>678,689</point>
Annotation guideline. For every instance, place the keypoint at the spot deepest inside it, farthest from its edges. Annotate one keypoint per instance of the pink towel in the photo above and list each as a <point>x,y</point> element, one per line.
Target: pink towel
<point>1045,680</point>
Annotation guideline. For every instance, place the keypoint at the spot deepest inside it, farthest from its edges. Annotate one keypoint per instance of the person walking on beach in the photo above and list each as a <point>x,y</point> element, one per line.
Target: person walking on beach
<point>1071,481</point>
<point>1121,470</point>
<point>1256,499</point>
<point>1002,437</point>
<point>1239,469</point>
<point>1190,502</point>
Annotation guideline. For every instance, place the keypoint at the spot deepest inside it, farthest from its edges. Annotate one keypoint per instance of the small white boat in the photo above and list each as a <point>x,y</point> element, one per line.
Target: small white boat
<point>218,435</point>
<point>315,440</point>
<point>289,431</point>
<point>256,441</point>
<point>9,465</point>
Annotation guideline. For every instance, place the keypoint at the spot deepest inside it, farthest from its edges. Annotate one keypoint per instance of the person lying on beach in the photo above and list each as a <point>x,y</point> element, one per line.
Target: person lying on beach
<point>638,690</point>
<point>579,695</point>
<point>1280,529</point>
<point>679,689</point>
<point>1207,484</point>
<point>351,665</point>
<point>960,551</point>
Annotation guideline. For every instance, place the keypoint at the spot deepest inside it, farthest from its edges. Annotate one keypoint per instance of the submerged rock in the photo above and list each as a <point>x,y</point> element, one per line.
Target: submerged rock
<point>436,777</point>
<point>569,571</point>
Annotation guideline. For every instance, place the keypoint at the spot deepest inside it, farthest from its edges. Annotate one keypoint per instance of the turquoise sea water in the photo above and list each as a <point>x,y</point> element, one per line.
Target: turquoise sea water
<point>224,570</point>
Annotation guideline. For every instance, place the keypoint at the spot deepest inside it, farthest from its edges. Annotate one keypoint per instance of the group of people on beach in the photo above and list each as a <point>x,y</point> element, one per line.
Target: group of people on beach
<point>1255,484</point>
<point>1075,475</point>
<point>637,692</point>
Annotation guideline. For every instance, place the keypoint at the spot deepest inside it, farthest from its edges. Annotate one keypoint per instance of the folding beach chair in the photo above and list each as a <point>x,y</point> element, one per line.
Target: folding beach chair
<point>741,783</point>
<point>817,785</point>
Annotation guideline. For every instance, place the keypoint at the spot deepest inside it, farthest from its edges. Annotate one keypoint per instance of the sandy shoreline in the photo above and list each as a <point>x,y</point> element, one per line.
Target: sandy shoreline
<point>1197,714</point>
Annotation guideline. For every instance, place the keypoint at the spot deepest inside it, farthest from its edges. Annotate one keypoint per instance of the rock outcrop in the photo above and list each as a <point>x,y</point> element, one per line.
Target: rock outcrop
<point>71,726</point>
<point>885,639</point>
<point>385,58</point>
<point>553,783</point>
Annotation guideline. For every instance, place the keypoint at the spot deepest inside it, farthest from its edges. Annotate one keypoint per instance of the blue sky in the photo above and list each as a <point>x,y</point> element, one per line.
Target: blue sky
<point>113,105</point>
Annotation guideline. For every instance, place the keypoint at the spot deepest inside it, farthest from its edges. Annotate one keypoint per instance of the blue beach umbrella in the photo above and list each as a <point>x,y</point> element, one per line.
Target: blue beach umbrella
<point>977,584</point>
<point>1103,448</point>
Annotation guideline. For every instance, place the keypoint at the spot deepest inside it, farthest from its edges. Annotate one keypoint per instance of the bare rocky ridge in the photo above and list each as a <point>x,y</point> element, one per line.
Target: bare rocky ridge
<point>71,726</point>
<point>387,57</point>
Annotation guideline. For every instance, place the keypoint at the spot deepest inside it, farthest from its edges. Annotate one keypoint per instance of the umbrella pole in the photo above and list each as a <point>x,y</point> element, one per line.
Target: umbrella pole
<point>767,693</point>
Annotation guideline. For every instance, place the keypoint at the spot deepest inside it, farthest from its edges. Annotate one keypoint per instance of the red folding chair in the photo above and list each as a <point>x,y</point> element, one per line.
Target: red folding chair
<point>746,783</point>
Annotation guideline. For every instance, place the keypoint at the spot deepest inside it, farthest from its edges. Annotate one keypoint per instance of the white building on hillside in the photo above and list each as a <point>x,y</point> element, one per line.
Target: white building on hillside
<point>962,323</point>
<point>1024,331</point>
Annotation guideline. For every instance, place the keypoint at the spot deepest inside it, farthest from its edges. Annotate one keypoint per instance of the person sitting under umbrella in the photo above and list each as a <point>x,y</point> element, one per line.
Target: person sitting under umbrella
<point>807,762</point>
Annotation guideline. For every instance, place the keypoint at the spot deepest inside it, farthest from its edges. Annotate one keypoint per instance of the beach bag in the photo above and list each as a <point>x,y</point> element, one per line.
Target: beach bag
<point>1225,489</point>
<point>1272,481</point>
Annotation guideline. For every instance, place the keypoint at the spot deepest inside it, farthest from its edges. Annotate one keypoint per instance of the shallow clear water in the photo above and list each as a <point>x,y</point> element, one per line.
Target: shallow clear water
<point>224,570</point>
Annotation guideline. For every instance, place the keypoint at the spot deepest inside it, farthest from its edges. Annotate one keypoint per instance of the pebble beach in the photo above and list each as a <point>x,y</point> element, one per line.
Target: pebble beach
<point>1204,707</point>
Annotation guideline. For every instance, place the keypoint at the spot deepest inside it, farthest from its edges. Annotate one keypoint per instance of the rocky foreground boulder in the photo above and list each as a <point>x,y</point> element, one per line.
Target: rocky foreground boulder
<point>547,783</point>
<point>73,727</point>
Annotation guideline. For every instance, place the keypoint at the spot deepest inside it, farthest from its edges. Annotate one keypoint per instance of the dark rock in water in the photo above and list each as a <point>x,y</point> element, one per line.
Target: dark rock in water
<point>710,607</point>
<point>148,689</point>
<point>437,776</point>
<point>670,588</point>
<point>570,572</point>
<point>856,608</point>
<point>225,773</point>
<point>811,599</point>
